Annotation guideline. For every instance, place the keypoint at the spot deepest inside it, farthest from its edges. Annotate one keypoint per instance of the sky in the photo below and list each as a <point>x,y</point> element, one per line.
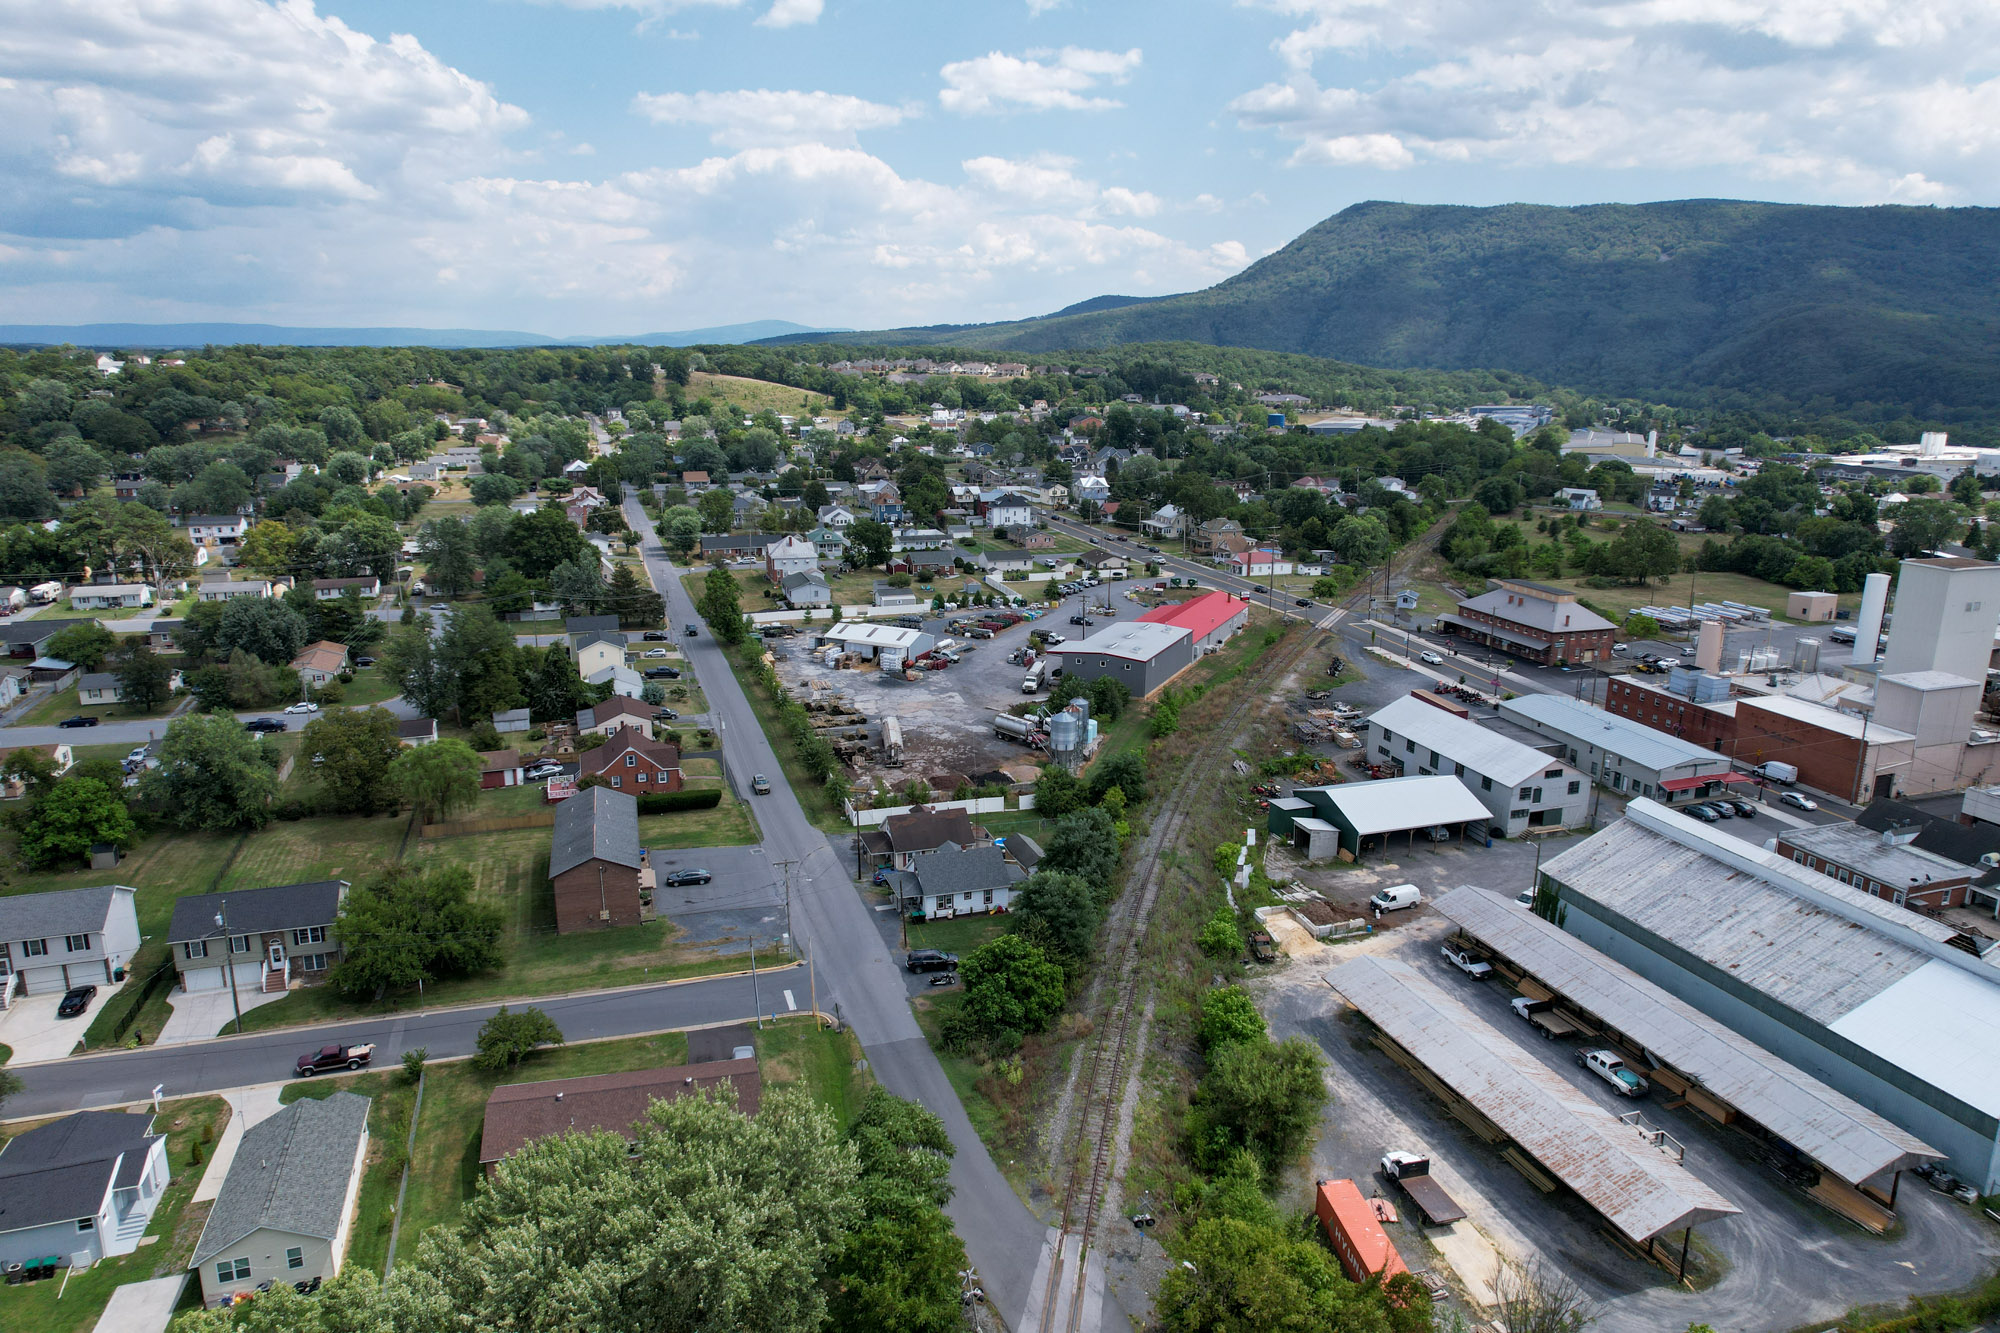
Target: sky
<point>605,167</point>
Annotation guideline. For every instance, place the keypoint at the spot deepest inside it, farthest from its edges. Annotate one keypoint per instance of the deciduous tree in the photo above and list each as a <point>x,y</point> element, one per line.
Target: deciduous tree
<point>213,775</point>
<point>144,678</point>
<point>510,1037</point>
<point>77,814</point>
<point>438,778</point>
<point>408,927</point>
<point>350,750</point>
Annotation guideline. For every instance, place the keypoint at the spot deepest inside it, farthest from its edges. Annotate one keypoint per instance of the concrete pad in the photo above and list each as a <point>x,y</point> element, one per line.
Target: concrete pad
<point>31,1027</point>
<point>141,1307</point>
<point>247,1107</point>
<point>203,1016</point>
<point>1472,1257</point>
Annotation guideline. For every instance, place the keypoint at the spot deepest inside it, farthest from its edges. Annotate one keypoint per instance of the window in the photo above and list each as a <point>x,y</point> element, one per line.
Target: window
<point>239,944</point>
<point>1799,857</point>
<point>309,935</point>
<point>1409,747</point>
<point>1518,814</point>
<point>1527,793</point>
<point>234,1270</point>
<point>76,943</point>
<point>1436,758</point>
<point>295,1257</point>
<point>1486,784</point>
<point>195,949</point>
<point>1458,770</point>
<point>631,760</point>
<point>86,1224</point>
<point>314,962</point>
<point>1537,797</point>
<point>35,948</point>
<point>1575,787</point>
<point>642,777</point>
<point>617,781</point>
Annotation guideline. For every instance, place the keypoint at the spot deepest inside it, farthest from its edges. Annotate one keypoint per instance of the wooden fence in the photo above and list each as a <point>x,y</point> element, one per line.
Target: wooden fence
<point>498,824</point>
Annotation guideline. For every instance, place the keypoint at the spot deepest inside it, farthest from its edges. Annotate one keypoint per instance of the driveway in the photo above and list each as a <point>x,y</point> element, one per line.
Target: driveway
<point>142,1307</point>
<point>31,1027</point>
<point>207,1014</point>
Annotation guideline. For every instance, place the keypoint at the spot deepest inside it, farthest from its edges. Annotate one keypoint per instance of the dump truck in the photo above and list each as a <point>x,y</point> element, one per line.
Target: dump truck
<point>1544,1015</point>
<point>1413,1172</point>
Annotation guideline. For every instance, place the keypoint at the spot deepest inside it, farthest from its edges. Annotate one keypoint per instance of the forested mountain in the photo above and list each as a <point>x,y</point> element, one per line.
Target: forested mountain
<point>1877,312</point>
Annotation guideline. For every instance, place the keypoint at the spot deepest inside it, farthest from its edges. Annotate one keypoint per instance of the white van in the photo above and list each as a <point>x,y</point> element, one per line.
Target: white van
<point>1396,897</point>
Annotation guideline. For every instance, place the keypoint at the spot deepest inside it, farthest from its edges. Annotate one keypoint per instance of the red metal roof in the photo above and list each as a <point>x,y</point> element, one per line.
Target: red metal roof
<point>1200,616</point>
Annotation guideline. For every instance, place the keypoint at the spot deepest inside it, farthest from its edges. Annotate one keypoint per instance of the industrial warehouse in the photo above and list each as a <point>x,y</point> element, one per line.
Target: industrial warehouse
<point>1350,820</point>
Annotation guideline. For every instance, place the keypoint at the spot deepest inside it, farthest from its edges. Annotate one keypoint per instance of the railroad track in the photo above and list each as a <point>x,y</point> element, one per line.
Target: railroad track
<point>1087,1178</point>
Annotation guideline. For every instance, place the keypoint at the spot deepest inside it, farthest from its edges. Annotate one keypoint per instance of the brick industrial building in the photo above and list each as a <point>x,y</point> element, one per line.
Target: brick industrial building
<point>1533,621</point>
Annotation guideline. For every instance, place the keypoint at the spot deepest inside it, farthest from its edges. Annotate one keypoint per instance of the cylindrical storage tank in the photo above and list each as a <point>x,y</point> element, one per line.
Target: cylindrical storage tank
<point>1868,628</point>
<point>1708,646</point>
<point>1090,732</point>
<point>1805,655</point>
<point>1081,706</point>
<point>1006,724</point>
<point>1063,732</point>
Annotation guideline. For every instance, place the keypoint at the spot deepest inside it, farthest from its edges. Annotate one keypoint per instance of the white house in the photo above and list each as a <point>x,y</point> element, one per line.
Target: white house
<point>85,1185</point>
<point>228,590</point>
<point>1579,498</point>
<point>104,687</point>
<point>957,881</point>
<point>215,529</point>
<point>52,941</point>
<point>791,555</point>
<point>1260,564</point>
<point>1167,521</point>
<point>623,680</point>
<point>1009,510</point>
<point>806,588</point>
<point>110,596</point>
<point>598,650</point>
<point>1093,490</point>
<point>835,516</point>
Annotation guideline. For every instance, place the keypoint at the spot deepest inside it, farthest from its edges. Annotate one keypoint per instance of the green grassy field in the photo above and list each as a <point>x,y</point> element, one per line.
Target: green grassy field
<point>63,704</point>
<point>755,396</point>
<point>371,685</point>
<point>55,1307</point>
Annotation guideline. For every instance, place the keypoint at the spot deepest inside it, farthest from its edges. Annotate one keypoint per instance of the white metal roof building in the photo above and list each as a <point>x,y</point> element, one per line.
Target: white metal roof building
<point>872,640</point>
<point>1887,1006</point>
<point>1831,1128</point>
<point>1143,655</point>
<point>1521,788</point>
<point>1357,817</point>
<point>1634,1185</point>
<point>1624,755</point>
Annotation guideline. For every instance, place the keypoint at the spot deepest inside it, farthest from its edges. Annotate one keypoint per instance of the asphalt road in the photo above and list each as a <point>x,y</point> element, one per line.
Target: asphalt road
<point>858,978</point>
<point>151,729</point>
<point>235,1062</point>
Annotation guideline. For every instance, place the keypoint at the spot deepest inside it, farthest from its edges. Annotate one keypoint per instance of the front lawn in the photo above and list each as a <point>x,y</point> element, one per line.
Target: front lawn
<point>63,704</point>
<point>729,824</point>
<point>51,1306</point>
<point>370,686</point>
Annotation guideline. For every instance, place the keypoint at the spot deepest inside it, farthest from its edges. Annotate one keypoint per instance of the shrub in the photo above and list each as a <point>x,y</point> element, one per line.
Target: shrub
<point>1221,937</point>
<point>413,1063</point>
<point>666,802</point>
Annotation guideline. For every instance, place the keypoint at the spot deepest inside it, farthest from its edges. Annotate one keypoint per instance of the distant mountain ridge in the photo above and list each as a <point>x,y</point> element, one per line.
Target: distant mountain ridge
<point>113,336</point>
<point>1890,308</point>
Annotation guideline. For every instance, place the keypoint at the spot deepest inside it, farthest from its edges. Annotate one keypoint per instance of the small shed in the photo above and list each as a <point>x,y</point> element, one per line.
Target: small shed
<point>1353,818</point>
<point>1811,607</point>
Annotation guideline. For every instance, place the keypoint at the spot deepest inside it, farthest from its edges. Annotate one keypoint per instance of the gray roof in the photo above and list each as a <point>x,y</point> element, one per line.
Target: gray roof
<point>34,631</point>
<point>1459,740</point>
<point>610,636</point>
<point>802,578</point>
<point>1834,1130</point>
<point>589,624</point>
<point>253,911</point>
<point>97,680</point>
<point>1547,615</point>
<point>1637,1188</point>
<point>60,1171</point>
<point>512,715</point>
<point>596,824</point>
<point>1643,745</point>
<point>291,1174</point>
<point>954,869</point>
<point>31,916</point>
<point>1894,864</point>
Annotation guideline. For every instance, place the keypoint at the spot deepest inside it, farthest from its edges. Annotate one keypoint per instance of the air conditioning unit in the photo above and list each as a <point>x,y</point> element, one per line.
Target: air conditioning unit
<point>605,915</point>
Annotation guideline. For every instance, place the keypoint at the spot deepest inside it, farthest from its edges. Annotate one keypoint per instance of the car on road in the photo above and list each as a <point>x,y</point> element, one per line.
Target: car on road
<point>1466,961</point>
<point>336,1056</point>
<point>1154,549</point>
<point>303,706</point>
<point>541,771</point>
<point>1305,601</point>
<point>654,652</point>
<point>78,721</point>
<point>681,878</point>
<point>1430,658</point>
<point>265,724</point>
<point>656,636</point>
<point>76,1001</point>
<point>760,785</point>
<point>1798,801</point>
<point>690,631</point>
<point>1607,1066</point>
<point>930,960</point>
<point>666,715</point>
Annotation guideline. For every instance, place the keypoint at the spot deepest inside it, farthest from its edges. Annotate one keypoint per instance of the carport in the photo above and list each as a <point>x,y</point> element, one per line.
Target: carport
<point>1816,1137</point>
<point>1353,818</point>
<point>1549,1131</point>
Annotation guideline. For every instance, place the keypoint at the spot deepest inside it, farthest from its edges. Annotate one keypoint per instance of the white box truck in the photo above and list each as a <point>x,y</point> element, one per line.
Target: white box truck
<point>1033,680</point>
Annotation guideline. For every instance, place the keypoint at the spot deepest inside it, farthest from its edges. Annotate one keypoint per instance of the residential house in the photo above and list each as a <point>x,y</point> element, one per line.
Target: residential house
<point>52,941</point>
<point>889,597</point>
<point>885,503</point>
<point>1261,563</point>
<point>110,596</point>
<point>1037,540</point>
<point>921,564</point>
<point>598,650</point>
<point>830,542</point>
<point>632,761</point>
<point>318,663</point>
<point>1004,562</point>
<point>519,1113</point>
<point>81,1188</point>
<point>1167,521</point>
<point>835,516</point>
<point>919,539</point>
<point>1205,536</point>
<point>512,720</point>
<point>1396,486</point>
<point>614,714</point>
<point>287,1207</point>
<point>214,529</point>
<point>160,636</point>
<point>625,681</point>
<point>24,638</point>
<point>426,470</point>
<point>1007,509</point>
<point>924,829</point>
<point>57,754</point>
<point>228,590</point>
<point>736,545</point>
<point>417,730</point>
<point>792,555</point>
<point>1091,490</point>
<point>105,687</point>
<point>595,866</point>
<point>1105,564</point>
<point>695,482</point>
<point>807,589</point>
<point>499,768</point>
<point>332,590</point>
<point>956,881</point>
<point>268,937</point>
<point>13,684</point>
<point>1578,498</point>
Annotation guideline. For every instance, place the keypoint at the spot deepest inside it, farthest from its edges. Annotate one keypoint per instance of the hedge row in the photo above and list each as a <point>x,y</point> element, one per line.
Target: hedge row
<point>666,802</point>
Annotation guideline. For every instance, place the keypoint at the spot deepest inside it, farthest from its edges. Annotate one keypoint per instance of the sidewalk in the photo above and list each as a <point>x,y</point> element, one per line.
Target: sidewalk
<point>247,1107</point>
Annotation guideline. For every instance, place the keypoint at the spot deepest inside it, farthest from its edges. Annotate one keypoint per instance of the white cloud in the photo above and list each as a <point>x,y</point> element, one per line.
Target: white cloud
<point>1037,8</point>
<point>1038,81</point>
<point>790,13</point>
<point>749,117</point>
<point>1848,100</point>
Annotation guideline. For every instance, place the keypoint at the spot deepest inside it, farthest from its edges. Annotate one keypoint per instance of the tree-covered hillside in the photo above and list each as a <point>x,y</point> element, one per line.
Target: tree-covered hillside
<point>1880,313</point>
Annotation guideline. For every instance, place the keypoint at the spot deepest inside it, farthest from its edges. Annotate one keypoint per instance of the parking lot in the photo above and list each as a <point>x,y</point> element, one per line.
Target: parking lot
<point>1781,1263</point>
<point>743,903</point>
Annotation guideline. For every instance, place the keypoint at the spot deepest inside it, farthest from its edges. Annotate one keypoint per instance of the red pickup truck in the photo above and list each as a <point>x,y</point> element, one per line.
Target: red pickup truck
<point>334,1057</point>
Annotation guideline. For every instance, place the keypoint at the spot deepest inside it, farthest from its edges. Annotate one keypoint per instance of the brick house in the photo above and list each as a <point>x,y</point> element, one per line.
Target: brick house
<point>1533,621</point>
<point>631,762</point>
<point>1884,863</point>
<point>595,869</point>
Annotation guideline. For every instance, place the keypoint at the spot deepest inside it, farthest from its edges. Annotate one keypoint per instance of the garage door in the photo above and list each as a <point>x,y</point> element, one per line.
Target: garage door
<point>202,979</point>
<point>249,976</point>
<point>42,980</point>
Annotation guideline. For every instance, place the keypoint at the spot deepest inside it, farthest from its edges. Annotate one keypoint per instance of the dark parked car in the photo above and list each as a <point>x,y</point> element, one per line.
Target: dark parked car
<point>76,1001</point>
<point>78,721</point>
<point>364,661</point>
<point>1744,810</point>
<point>930,960</point>
<point>666,715</point>
<point>655,635</point>
<point>262,724</point>
<point>683,877</point>
<point>691,631</point>
<point>663,673</point>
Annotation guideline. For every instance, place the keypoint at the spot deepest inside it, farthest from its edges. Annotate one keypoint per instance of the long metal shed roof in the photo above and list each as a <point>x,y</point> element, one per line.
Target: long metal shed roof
<point>1615,1170</point>
<point>1392,805</point>
<point>1839,1133</point>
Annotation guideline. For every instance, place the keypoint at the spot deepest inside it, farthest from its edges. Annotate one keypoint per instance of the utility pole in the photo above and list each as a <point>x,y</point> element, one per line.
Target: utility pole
<point>786,866</point>
<point>229,962</point>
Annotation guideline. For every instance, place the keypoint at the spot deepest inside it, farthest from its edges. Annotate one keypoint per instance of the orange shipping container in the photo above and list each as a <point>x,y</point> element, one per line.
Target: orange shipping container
<point>1358,1240</point>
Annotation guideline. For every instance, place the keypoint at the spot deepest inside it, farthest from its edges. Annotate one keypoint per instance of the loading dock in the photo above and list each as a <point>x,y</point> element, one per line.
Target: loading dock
<point>1836,1150</point>
<point>1551,1132</point>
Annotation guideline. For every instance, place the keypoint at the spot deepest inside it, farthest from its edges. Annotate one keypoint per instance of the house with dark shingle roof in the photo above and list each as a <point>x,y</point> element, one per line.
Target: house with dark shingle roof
<point>86,1184</point>
<point>287,1206</point>
<point>631,761</point>
<point>271,936</point>
<point>956,881</point>
<point>617,713</point>
<point>901,837</point>
<point>519,1113</point>
<point>69,937</point>
<point>595,869</point>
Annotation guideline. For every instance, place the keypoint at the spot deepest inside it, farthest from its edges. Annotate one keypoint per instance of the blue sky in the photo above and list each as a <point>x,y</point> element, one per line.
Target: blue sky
<point>624,166</point>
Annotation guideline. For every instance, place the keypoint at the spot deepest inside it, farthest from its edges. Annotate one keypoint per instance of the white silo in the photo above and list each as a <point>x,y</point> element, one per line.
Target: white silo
<point>1868,627</point>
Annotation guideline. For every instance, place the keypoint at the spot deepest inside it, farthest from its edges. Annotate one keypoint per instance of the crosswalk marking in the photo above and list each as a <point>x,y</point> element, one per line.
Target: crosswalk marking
<point>790,1003</point>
